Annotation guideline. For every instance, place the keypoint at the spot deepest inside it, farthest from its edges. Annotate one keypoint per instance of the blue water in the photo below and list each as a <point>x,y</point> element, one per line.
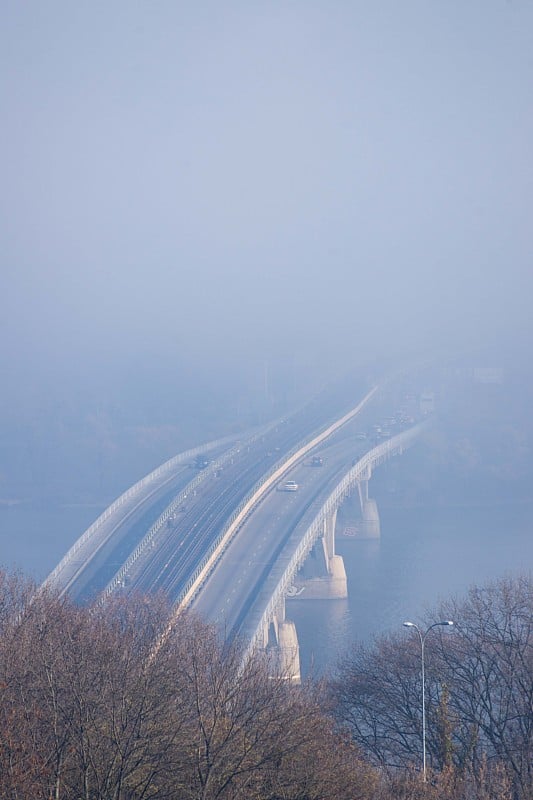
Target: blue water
<point>35,537</point>
<point>424,555</point>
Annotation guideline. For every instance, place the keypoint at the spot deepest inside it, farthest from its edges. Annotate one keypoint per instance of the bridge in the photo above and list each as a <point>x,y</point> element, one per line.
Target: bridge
<point>235,527</point>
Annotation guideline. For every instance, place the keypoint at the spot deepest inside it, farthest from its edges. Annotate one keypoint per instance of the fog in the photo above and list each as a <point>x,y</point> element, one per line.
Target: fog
<point>205,206</point>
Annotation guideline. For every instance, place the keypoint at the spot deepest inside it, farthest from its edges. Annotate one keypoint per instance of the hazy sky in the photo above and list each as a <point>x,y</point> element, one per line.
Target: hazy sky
<point>235,180</point>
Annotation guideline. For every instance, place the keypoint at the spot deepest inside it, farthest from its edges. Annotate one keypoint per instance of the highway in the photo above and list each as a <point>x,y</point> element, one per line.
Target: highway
<point>230,590</point>
<point>131,558</point>
<point>121,534</point>
<point>128,558</point>
<point>192,532</point>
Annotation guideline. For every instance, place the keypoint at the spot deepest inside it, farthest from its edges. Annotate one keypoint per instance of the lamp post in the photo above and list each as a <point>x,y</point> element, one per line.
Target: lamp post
<point>422,637</point>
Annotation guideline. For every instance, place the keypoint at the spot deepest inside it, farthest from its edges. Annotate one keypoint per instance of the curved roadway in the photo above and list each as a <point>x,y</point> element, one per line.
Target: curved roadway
<point>193,531</point>
<point>170,561</point>
<point>228,593</point>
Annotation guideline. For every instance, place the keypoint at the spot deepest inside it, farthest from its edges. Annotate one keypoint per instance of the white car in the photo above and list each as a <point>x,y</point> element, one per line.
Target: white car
<point>289,486</point>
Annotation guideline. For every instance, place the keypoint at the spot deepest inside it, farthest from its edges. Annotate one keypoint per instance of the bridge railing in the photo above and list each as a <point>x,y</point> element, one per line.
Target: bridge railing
<point>172,508</point>
<point>371,459</point>
<point>259,489</point>
<point>90,536</point>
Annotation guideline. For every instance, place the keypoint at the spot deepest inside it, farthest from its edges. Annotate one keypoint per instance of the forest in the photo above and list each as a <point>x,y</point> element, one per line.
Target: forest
<point>123,701</point>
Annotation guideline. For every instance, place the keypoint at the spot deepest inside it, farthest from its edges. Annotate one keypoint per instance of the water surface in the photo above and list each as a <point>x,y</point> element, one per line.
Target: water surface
<point>424,555</point>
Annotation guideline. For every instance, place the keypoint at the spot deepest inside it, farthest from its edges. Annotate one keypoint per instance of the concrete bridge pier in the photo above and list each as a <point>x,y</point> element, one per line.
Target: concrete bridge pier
<point>358,515</point>
<point>369,526</point>
<point>323,576</point>
<point>282,644</point>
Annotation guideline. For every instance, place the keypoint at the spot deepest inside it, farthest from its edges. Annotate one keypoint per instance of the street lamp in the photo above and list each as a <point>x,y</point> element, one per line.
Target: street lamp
<point>422,637</point>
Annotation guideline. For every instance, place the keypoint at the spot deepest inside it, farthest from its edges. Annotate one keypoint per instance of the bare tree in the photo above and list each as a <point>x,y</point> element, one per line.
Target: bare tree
<point>92,709</point>
<point>33,744</point>
<point>492,783</point>
<point>86,710</point>
<point>490,667</point>
<point>479,688</point>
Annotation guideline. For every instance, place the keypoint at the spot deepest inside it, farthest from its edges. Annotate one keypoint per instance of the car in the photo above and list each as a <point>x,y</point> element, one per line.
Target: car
<point>289,486</point>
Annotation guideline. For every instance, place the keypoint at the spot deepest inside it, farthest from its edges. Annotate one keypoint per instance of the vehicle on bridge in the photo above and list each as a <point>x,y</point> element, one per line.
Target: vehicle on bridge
<point>289,486</point>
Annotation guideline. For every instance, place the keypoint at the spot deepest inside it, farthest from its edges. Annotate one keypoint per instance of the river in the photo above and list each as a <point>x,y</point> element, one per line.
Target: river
<point>425,554</point>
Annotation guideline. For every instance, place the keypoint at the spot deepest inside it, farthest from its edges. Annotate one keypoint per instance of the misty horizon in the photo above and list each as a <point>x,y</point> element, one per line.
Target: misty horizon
<point>209,213</point>
<point>217,185</point>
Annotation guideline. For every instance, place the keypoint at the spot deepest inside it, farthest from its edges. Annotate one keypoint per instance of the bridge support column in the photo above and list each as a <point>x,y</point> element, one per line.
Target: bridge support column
<point>284,647</point>
<point>359,515</point>
<point>323,576</point>
<point>369,526</point>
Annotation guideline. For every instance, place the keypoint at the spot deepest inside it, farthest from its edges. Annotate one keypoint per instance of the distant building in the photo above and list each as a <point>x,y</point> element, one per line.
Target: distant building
<point>427,402</point>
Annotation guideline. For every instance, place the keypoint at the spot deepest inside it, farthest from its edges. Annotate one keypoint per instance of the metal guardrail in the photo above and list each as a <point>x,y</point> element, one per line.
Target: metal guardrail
<point>254,496</point>
<point>95,535</point>
<point>376,456</point>
<point>146,542</point>
<point>91,534</point>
